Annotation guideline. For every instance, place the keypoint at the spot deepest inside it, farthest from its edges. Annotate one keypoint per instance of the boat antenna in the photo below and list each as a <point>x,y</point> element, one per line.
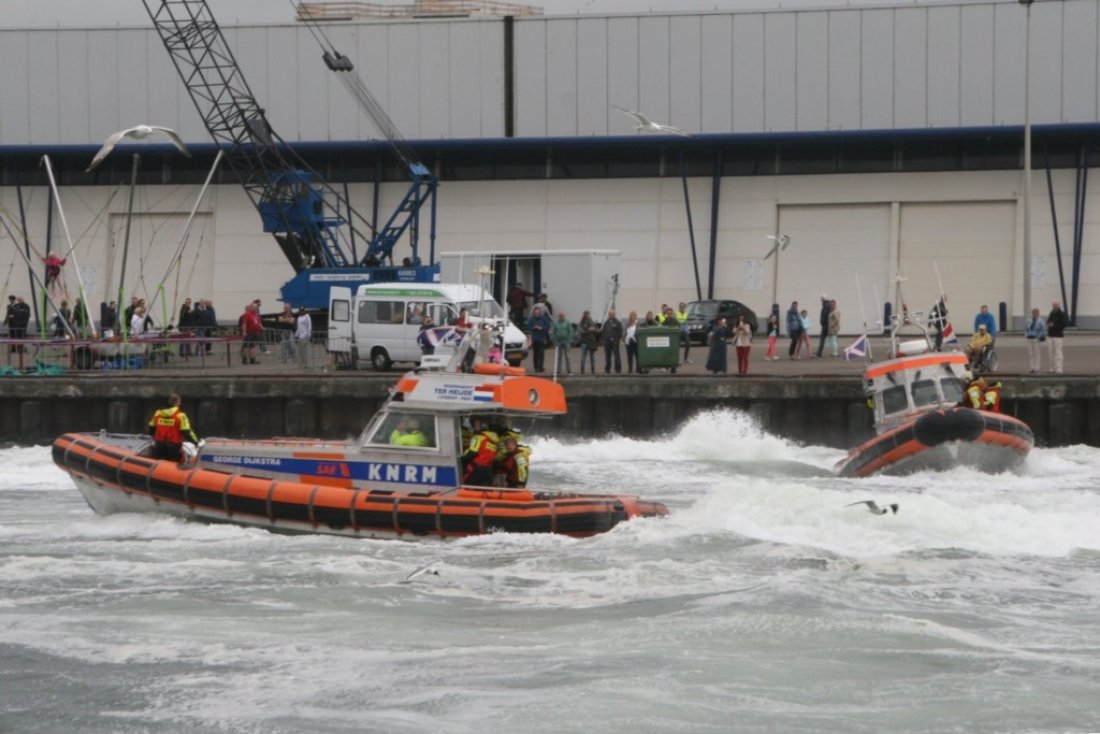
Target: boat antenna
<point>863,315</point>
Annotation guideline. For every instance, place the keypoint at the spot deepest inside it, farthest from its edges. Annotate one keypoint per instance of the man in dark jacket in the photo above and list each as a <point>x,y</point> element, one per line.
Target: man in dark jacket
<point>824,321</point>
<point>538,328</point>
<point>794,328</point>
<point>1056,325</point>
<point>19,315</point>
<point>611,335</point>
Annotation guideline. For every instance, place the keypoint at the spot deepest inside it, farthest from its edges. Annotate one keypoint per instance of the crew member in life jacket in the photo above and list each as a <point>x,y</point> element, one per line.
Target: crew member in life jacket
<point>168,427</point>
<point>481,451</point>
<point>991,398</point>
<point>512,463</point>
<point>974,395</point>
<point>408,433</point>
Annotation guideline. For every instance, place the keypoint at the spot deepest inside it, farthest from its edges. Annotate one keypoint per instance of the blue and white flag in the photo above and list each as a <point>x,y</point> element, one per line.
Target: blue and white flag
<point>858,348</point>
<point>443,335</point>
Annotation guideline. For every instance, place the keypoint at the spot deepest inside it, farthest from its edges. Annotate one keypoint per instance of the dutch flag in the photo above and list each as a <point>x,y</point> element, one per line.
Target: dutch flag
<point>949,335</point>
<point>483,394</point>
<point>858,348</point>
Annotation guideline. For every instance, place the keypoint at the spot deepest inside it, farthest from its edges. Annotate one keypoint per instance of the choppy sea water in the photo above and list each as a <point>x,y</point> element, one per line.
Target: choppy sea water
<point>761,604</point>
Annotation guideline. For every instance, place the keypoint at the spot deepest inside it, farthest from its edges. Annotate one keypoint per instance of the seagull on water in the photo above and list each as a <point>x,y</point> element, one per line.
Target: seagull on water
<point>648,125</point>
<point>423,570</point>
<point>874,509</point>
<point>781,243</point>
<point>139,132</point>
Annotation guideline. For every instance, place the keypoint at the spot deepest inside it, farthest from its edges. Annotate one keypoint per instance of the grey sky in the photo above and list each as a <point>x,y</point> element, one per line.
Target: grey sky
<point>52,13</point>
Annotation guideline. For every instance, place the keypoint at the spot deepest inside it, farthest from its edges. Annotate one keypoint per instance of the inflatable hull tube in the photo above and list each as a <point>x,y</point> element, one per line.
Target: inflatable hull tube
<point>114,479</point>
<point>943,439</point>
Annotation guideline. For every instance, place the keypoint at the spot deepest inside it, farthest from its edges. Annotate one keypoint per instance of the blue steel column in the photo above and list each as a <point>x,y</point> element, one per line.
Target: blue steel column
<point>691,229</point>
<point>715,188</point>
<point>1078,229</point>
<point>1054,224</point>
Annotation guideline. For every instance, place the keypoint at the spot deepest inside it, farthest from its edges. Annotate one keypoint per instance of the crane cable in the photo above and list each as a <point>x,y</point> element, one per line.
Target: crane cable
<point>355,85</point>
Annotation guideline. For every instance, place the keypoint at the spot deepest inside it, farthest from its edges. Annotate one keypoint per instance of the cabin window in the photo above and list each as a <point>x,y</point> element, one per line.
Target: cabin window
<point>381,312</point>
<point>952,389</point>
<point>405,430</point>
<point>925,393</point>
<point>894,400</point>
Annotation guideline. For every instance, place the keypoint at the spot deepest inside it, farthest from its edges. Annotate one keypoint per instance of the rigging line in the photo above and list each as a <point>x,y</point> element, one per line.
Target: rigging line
<point>38,281</point>
<point>359,90</point>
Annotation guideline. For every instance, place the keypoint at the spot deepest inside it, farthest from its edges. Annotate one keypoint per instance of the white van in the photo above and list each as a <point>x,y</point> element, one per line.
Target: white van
<point>381,321</point>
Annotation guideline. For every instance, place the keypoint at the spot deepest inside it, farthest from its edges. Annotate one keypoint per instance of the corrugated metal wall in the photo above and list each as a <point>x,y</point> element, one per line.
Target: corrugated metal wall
<point>905,67</point>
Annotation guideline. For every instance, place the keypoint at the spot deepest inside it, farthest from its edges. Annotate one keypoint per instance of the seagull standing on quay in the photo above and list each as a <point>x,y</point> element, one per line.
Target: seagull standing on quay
<point>140,132</point>
<point>643,123</point>
<point>874,509</point>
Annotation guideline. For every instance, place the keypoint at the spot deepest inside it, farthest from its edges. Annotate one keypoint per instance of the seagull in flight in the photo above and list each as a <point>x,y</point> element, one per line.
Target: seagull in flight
<point>874,509</point>
<point>781,243</point>
<point>423,570</point>
<point>643,123</point>
<point>139,132</point>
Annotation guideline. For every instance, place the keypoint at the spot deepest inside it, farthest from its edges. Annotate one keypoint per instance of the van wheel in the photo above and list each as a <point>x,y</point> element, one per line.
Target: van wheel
<point>380,360</point>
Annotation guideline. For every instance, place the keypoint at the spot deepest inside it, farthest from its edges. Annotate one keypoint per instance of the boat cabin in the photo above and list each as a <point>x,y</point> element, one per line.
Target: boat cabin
<point>917,379</point>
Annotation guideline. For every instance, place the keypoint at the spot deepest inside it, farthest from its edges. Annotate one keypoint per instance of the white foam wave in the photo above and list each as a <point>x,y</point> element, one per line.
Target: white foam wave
<point>1001,521</point>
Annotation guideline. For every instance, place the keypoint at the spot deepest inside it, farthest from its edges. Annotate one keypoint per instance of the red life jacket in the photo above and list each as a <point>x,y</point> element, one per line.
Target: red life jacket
<point>484,447</point>
<point>168,425</point>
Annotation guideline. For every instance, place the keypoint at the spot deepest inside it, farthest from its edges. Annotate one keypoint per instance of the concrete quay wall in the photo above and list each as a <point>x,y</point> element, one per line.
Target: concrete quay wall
<point>821,410</point>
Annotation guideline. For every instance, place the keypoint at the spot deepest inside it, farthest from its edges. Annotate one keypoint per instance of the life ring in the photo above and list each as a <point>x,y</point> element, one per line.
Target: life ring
<point>488,368</point>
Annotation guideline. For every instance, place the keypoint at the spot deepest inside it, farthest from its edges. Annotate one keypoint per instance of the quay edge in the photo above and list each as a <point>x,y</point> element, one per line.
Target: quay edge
<point>819,410</point>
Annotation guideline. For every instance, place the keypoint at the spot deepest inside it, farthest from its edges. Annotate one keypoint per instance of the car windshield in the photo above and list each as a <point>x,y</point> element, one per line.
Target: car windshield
<point>708,310</point>
<point>488,308</point>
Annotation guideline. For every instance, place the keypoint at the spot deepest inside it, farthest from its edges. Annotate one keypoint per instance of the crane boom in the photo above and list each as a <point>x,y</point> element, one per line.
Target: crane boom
<point>313,223</point>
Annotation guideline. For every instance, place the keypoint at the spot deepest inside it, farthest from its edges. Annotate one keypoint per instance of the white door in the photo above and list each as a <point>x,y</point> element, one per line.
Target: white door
<point>339,320</point>
<point>834,247</point>
<point>971,243</point>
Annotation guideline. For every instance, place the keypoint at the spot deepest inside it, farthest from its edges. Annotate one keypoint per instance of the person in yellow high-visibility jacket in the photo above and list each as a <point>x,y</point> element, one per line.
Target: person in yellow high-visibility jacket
<point>168,427</point>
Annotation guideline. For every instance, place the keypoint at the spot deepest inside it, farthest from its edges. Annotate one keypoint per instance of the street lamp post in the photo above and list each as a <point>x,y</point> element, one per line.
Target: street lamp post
<point>1027,158</point>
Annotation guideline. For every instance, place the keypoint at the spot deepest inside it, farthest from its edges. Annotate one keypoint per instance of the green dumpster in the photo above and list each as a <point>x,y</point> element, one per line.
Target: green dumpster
<point>659,346</point>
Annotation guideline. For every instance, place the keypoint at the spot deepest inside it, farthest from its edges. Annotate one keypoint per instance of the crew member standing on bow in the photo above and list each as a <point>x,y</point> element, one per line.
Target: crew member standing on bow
<point>481,451</point>
<point>168,427</point>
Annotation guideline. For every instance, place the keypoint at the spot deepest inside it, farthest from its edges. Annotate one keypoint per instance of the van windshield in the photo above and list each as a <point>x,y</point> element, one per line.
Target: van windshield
<point>488,309</point>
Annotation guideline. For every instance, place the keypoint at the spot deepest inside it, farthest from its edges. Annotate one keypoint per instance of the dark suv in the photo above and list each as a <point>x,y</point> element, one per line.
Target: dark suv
<point>701,314</point>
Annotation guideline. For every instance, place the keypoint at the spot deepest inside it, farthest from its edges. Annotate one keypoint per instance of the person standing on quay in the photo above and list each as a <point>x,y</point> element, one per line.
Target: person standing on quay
<point>823,322</point>
<point>590,341</point>
<point>611,333</point>
<point>742,342</point>
<point>1056,325</point>
<point>773,335</point>
<point>538,330</point>
<point>794,328</point>
<point>562,336</point>
<point>1035,332</point>
<point>834,329</point>
<point>718,341</point>
<point>303,333</point>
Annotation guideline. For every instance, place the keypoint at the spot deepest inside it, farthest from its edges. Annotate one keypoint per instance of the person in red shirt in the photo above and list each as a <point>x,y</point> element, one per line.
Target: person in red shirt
<point>251,328</point>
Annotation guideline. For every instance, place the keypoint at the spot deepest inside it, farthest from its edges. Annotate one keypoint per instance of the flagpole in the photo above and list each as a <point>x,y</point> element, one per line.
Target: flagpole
<point>863,315</point>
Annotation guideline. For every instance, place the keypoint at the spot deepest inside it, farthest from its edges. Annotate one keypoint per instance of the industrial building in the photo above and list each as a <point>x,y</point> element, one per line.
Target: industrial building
<point>887,143</point>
